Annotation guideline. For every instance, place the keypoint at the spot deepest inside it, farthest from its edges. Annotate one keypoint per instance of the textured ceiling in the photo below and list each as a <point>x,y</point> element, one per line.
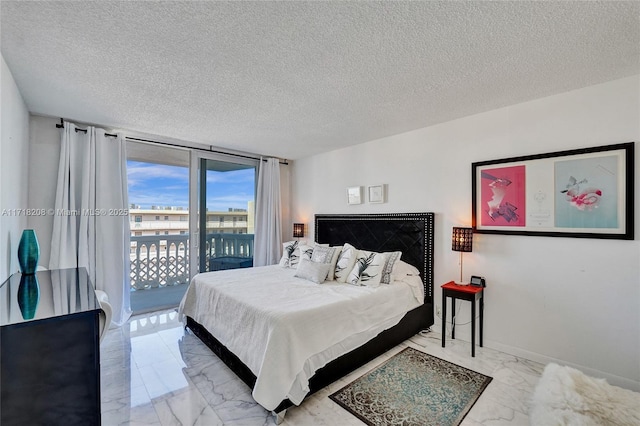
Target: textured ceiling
<point>293,79</point>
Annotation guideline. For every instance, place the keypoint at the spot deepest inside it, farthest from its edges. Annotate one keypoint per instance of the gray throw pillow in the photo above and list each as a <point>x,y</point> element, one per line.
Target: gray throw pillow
<point>312,271</point>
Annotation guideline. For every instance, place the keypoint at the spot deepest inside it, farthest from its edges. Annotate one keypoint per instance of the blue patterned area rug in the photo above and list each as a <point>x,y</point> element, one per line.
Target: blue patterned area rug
<point>413,388</point>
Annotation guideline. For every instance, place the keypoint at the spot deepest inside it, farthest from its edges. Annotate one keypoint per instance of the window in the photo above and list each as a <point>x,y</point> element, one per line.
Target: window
<point>166,218</point>
<point>138,233</point>
<point>227,189</point>
<point>166,232</point>
<point>157,217</point>
<point>157,232</point>
<point>138,218</point>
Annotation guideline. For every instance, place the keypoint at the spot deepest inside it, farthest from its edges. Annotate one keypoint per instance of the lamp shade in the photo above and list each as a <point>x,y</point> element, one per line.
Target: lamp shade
<point>461,239</point>
<point>298,230</point>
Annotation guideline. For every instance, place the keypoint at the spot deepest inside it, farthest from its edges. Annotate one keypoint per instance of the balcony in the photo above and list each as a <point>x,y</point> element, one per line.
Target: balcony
<point>160,265</point>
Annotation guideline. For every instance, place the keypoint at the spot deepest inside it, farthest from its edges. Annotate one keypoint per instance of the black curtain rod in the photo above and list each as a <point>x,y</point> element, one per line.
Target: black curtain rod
<point>210,149</point>
<point>61,126</point>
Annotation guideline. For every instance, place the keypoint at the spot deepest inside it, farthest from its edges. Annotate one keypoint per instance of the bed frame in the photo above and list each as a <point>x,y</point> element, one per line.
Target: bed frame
<point>411,233</point>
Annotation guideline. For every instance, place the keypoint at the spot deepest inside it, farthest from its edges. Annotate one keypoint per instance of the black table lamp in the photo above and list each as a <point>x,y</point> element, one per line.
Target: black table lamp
<point>298,230</point>
<point>461,240</point>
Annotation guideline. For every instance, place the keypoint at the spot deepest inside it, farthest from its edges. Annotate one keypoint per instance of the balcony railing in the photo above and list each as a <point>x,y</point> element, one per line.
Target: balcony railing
<point>163,260</point>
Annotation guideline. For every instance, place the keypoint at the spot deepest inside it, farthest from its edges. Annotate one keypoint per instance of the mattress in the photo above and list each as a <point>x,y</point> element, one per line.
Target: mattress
<point>284,328</point>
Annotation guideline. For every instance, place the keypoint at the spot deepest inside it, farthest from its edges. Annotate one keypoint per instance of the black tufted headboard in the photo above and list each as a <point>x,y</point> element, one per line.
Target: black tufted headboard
<point>411,233</point>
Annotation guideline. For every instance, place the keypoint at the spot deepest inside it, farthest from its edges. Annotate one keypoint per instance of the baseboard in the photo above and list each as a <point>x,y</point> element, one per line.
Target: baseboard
<point>612,379</point>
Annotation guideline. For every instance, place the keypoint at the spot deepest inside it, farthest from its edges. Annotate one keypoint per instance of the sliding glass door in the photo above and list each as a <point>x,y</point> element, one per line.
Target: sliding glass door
<point>190,212</point>
<point>158,179</point>
<point>223,194</point>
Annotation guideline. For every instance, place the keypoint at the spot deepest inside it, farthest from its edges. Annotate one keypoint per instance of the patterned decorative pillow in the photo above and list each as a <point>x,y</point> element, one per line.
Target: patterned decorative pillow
<point>312,271</point>
<point>391,258</point>
<point>345,262</point>
<point>305,251</point>
<point>321,253</point>
<point>328,255</point>
<point>367,269</point>
<point>290,254</point>
<point>334,262</point>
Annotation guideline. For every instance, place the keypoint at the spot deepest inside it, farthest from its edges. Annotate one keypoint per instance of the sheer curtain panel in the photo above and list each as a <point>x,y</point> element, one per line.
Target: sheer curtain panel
<point>91,224</point>
<point>268,236</point>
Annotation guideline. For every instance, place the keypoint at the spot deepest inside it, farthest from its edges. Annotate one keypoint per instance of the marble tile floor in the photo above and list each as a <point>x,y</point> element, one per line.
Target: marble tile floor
<point>154,372</point>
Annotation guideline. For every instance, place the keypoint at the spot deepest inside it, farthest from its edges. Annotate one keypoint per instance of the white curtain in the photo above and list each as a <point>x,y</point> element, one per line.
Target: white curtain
<point>268,237</point>
<point>91,224</point>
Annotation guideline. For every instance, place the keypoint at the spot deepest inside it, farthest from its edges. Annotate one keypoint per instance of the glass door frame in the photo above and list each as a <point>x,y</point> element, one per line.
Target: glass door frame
<point>196,177</point>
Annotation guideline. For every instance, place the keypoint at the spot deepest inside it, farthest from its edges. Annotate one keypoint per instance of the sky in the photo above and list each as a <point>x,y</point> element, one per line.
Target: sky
<point>163,185</point>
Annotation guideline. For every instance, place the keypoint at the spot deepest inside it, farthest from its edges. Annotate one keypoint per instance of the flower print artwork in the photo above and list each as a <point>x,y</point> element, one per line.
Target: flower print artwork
<point>589,200</point>
<point>581,199</point>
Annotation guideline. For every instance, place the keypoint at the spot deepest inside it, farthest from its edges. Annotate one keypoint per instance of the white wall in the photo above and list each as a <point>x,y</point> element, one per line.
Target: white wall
<point>572,300</point>
<point>14,149</point>
<point>44,156</point>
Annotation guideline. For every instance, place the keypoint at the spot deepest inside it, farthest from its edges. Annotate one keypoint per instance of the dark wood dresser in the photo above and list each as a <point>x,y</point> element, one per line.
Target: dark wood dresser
<point>49,349</point>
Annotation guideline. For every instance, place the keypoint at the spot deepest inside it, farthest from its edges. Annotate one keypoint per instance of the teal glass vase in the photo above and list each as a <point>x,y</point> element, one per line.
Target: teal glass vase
<point>28,295</point>
<point>28,252</point>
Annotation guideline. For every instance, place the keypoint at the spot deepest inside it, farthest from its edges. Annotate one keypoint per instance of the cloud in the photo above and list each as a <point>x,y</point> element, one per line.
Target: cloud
<point>233,177</point>
<point>164,185</point>
<point>139,173</point>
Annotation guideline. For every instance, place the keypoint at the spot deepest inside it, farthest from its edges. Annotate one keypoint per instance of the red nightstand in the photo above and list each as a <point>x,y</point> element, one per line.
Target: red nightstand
<point>464,292</point>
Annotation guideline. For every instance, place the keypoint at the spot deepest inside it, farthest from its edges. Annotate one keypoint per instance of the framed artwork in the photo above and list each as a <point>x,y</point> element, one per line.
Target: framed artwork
<point>585,193</point>
<point>354,195</point>
<point>376,194</point>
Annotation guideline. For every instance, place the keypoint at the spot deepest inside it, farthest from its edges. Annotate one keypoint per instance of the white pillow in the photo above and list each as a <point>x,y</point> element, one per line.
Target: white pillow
<point>321,253</point>
<point>391,258</point>
<point>312,271</point>
<point>334,261</point>
<point>345,262</point>
<point>305,251</point>
<point>367,269</point>
<point>290,254</point>
<point>402,268</point>
<point>329,255</point>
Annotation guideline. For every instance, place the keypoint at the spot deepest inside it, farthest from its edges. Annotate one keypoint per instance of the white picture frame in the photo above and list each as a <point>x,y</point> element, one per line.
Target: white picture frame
<point>354,195</point>
<point>376,194</point>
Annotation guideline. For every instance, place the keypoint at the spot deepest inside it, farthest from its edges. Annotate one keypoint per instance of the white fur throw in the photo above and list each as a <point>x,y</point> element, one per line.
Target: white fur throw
<point>565,396</point>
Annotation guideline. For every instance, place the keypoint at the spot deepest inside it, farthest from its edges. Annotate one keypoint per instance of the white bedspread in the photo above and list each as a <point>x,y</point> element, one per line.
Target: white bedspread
<point>284,328</point>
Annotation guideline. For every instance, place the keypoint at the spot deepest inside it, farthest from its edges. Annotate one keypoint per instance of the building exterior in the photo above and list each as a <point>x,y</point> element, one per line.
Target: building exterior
<point>175,221</point>
<point>158,221</point>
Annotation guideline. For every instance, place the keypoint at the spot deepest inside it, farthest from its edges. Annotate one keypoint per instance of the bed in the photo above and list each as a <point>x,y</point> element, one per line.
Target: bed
<point>410,233</point>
